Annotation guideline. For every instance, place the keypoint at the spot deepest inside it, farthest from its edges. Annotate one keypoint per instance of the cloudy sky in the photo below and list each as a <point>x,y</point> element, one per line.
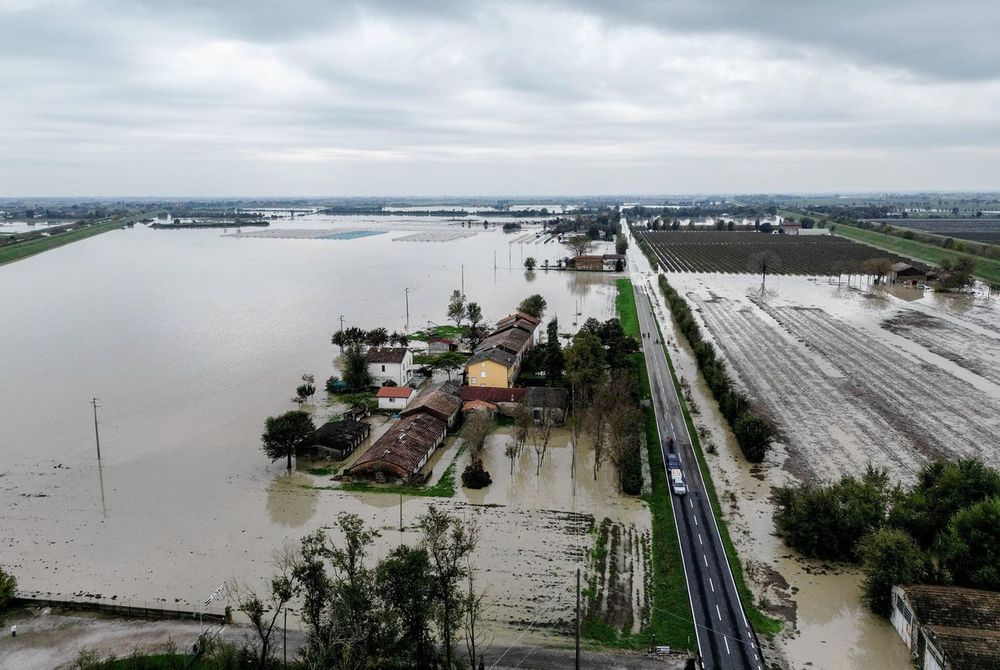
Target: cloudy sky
<point>412,97</point>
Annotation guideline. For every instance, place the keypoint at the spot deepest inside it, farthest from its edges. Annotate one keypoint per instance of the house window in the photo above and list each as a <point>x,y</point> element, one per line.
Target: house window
<point>392,400</point>
<point>383,368</point>
<point>473,380</point>
<point>483,374</point>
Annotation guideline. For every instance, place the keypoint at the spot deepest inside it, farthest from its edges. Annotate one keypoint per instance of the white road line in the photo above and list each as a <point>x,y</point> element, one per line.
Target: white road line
<point>712,584</point>
<point>691,504</point>
<point>699,539</point>
<point>718,613</point>
<point>705,558</point>
<point>695,520</point>
<point>726,640</point>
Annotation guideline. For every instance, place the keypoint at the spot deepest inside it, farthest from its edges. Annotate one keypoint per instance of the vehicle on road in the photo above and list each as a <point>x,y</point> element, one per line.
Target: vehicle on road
<point>677,484</point>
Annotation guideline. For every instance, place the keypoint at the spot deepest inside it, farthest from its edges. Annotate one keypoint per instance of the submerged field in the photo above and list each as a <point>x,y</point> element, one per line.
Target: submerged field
<point>738,252</point>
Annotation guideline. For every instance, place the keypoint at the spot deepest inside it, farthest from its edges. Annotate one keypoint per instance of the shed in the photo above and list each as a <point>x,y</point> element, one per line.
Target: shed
<point>904,272</point>
<point>336,439</point>
<point>548,403</point>
<point>441,345</point>
<point>478,406</point>
<point>403,450</point>
<point>437,403</point>
<point>394,398</point>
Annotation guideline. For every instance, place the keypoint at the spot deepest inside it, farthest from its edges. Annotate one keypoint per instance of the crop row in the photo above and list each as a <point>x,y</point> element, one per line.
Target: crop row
<point>738,252</point>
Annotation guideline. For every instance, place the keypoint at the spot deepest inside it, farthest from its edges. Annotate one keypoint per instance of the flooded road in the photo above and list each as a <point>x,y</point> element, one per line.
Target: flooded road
<point>190,338</point>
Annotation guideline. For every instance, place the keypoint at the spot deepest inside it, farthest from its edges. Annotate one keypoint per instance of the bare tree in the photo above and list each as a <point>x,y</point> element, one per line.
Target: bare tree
<point>579,244</point>
<point>477,430</point>
<point>539,433</point>
<point>596,423</point>
<point>763,263</point>
<point>511,451</point>
<point>263,612</point>
<point>473,606</point>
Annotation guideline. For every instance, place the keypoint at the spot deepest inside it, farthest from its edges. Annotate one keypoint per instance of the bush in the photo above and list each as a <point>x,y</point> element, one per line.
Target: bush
<point>630,472</point>
<point>888,556</point>
<point>8,588</point>
<point>475,475</point>
<point>970,549</point>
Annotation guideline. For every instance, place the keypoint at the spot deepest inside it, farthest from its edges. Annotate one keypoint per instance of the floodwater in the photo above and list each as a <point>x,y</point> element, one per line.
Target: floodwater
<point>826,624</point>
<point>190,338</point>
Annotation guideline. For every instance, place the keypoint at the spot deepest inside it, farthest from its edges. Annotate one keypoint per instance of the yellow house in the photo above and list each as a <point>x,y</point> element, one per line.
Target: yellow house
<point>493,367</point>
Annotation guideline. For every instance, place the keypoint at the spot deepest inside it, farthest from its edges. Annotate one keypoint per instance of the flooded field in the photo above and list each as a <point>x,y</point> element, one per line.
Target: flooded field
<point>851,376</point>
<point>190,338</point>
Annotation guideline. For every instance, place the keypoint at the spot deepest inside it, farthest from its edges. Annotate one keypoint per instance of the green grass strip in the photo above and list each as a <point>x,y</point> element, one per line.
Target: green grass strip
<point>21,250</point>
<point>625,304</point>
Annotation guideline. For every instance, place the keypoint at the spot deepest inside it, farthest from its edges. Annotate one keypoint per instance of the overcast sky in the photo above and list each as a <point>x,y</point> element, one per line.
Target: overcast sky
<point>411,97</point>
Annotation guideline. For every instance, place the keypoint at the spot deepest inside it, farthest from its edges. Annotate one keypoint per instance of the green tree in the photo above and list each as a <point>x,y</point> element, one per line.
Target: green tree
<point>449,543</point>
<point>530,263</point>
<point>553,360</point>
<point>942,489</point>
<point>579,244</point>
<point>303,392</point>
<point>285,433</point>
<point>377,337</point>
<point>888,557</point>
<point>449,362</point>
<point>456,307</point>
<point>8,589</point>
<point>585,364</point>
<point>355,366</point>
<point>406,586</point>
<point>754,434</point>
<point>970,549</point>
<point>621,244</point>
<point>475,315</point>
<point>534,305</point>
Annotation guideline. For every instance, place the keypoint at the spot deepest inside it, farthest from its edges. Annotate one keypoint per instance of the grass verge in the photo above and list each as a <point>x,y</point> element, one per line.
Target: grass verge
<point>21,250</point>
<point>762,623</point>
<point>625,305</point>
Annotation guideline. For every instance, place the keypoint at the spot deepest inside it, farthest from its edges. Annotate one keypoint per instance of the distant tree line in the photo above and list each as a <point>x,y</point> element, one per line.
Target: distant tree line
<point>754,431</point>
<point>944,530</point>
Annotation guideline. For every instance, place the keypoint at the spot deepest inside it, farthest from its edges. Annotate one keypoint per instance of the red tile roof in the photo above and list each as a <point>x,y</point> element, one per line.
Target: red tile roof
<point>394,392</point>
<point>492,394</point>
<point>387,355</point>
<point>403,447</point>
<point>437,403</point>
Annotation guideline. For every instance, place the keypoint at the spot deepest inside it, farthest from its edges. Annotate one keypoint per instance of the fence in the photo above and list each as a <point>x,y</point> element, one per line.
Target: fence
<point>127,608</point>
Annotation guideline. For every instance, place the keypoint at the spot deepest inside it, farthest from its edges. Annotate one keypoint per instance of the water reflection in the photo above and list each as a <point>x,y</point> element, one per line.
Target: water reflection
<point>291,500</point>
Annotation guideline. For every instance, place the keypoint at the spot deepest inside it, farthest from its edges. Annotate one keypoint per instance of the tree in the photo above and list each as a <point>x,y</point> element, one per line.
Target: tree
<point>530,263</point>
<point>449,361</point>
<point>970,549</point>
<point>534,305</point>
<point>355,366</point>
<point>449,543</point>
<point>475,314</point>
<point>539,433</point>
<point>456,307</point>
<point>595,422</point>
<point>263,613</point>
<point>754,434</point>
<point>579,244</point>
<point>511,451</point>
<point>285,433</point>
<point>763,263</point>
<point>377,337</point>
<point>888,557</point>
<point>585,364</point>
<point>621,244</point>
<point>475,433</point>
<point>406,586</point>
<point>8,589</point>
<point>303,392</point>
<point>552,359</point>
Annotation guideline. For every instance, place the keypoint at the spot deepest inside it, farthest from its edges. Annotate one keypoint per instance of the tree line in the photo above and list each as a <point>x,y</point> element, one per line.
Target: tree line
<point>943,530</point>
<point>754,431</point>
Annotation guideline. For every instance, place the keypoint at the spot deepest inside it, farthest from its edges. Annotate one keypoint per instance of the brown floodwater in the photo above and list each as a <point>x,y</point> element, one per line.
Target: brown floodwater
<point>190,338</point>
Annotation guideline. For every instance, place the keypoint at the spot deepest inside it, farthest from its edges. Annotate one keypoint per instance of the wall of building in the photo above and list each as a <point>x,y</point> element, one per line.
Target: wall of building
<point>488,373</point>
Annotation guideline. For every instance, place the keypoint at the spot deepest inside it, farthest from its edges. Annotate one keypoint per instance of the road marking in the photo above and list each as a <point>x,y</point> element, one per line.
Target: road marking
<point>696,521</point>
<point>718,613</point>
<point>699,539</point>
<point>705,558</point>
<point>712,584</point>
<point>691,504</point>
<point>726,640</point>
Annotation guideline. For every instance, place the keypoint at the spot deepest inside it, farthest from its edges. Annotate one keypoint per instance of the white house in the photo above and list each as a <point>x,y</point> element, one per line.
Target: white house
<point>394,398</point>
<point>390,364</point>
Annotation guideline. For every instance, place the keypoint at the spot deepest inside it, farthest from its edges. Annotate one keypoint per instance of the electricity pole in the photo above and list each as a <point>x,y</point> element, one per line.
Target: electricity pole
<point>463,279</point>
<point>406,292</point>
<point>577,666</point>
<point>341,323</point>
<point>97,434</point>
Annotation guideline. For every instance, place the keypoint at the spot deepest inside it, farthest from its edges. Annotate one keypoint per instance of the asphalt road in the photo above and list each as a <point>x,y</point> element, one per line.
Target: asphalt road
<point>725,638</point>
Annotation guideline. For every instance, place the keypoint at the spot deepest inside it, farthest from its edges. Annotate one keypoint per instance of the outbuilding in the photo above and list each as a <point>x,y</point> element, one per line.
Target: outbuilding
<point>335,440</point>
<point>437,403</point>
<point>394,398</point>
<point>403,450</point>
<point>546,404</point>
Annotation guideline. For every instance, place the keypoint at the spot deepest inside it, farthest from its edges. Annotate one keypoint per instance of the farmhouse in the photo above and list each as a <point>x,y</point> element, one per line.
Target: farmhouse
<point>403,450</point>
<point>790,227</point>
<point>390,364</point>
<point>441,345</point>
<point>497,359</point>
<point>336,439</point>
<point>603,263</point>
<point>947,627</point>
<point>394,397</point>
<point>437,403</point>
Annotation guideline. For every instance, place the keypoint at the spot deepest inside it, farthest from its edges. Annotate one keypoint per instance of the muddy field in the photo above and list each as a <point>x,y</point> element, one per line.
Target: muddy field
<point>737,252</point>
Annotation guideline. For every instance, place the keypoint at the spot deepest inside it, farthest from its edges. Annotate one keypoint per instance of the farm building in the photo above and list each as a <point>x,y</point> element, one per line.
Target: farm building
<point>391,364</point>
<point>789,227</point>
<point>403,450</point>
<point>356,412</point>
<point>947,627</point>
<point>394,397</point>
<point>336,439</point>
<point>471,406</point>
<point>437,403</point>
<point>904,272</point>
<point>814,232</point>
<point>603,263</point>
<point>548,403</point>
<point>506,400</point>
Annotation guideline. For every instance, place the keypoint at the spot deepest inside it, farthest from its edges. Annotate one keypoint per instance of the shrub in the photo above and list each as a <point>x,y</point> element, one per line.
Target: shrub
<point>8,588</point>
<point>630,472</point>
<point>475,475</point>
<point>888,556</point>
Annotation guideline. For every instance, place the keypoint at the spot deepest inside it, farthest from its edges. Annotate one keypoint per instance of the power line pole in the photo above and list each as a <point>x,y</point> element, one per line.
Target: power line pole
<point>406,291</point>
<point>97,434</point>
<point>577,666</point>
<point>341,323</point>
<point>463,280</point>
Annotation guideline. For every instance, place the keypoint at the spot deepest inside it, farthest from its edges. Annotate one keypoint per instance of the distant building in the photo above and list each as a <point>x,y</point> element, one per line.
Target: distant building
<point>441,345</point>
<point>790,227</point>
<point>437,403</point>
<point>403,450</point>
<point>390,364</point>
<point>497,359</point>
<point>473,406</point>
<point>335,440</point>
<point>947,627</point>
<point>814,232</point>
<point>603,263</point>
<point>547,403</point>
<point>901,273</point>
<point>394,398</point>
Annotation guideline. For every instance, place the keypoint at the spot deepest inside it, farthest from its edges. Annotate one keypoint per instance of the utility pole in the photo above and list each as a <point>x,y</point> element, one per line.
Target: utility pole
<point>577,666</point>
<point>97,434</point>
<point>341,323</point>
<point>463,279</point>
<point>284,640</point>
<point>407,293</point>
